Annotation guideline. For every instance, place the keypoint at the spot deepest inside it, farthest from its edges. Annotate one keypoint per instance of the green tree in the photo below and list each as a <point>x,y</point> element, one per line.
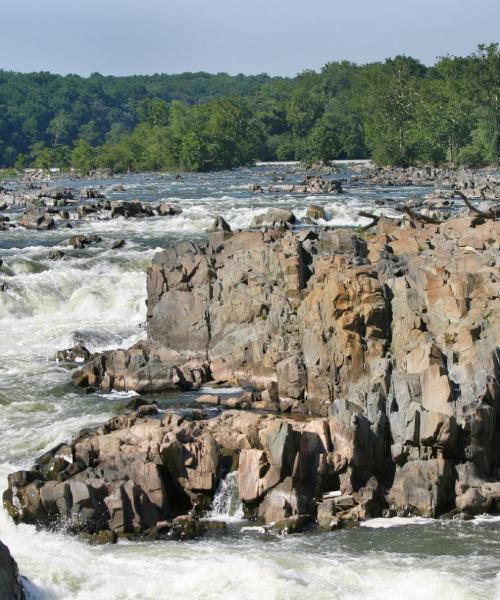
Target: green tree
<point>193,155</point>
<point>83,157</point>
<point>391,99</point>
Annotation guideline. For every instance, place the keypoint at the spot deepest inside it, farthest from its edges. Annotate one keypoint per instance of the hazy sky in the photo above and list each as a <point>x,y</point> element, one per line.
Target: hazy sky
<point>238,36</point>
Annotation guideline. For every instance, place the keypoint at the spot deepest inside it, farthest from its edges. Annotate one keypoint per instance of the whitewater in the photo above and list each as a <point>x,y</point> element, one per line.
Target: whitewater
<point>97,297</point>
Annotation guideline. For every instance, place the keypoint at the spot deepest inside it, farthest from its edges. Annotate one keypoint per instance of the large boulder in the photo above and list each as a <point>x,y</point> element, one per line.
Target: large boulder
<point>36,218</point>
<point>423,487</point>
<point>274,217</point>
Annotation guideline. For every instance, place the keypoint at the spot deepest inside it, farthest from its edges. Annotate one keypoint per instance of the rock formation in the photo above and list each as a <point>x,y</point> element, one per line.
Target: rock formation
<point>391,341</point>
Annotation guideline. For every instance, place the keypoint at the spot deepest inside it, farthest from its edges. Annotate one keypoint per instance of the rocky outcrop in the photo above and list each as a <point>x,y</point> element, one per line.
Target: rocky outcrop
<point>36,218</point>
<point>10,586</point>
<point>472,182</point>
<point>395,338</point>
<point>136,369</point>
<point>312,184</point>
<point>145,475</point>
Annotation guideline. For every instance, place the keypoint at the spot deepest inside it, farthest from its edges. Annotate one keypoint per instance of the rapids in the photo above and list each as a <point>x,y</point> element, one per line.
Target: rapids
<point>96,296</point>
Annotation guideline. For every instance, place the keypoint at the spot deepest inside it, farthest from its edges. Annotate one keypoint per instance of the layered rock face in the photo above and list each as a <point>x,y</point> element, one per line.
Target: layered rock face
<point>10,587</point>
<point>392,340</point>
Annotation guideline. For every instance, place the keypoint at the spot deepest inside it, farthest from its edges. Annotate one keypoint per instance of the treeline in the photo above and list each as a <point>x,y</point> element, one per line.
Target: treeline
<point>399,112</point>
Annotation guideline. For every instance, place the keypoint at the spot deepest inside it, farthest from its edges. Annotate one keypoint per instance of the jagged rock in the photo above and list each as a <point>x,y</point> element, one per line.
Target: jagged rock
<point>326,512</point>
<point>135,369</point>
<point>56,193</point>
<point>137,471</point>
<point>318,185</point>
<point>220,224</point>
<point>130,208</point>
<point>36,218</point>
<point>142,407</point>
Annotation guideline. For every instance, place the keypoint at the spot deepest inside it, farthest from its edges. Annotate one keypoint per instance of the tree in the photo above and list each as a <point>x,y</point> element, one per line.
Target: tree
<point>392,95</point>
<point>83,157</point>
<point>193,155</point>
<point>154,112</point>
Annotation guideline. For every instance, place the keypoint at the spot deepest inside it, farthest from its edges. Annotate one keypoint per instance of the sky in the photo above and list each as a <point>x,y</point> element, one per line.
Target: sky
<point>279,37</point>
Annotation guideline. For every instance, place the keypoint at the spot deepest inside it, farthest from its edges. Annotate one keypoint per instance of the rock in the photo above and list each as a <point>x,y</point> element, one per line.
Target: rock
<point>295,524</point>
<point>274,217</point>
<point>292,378</point>
<point>317,185</point>
<point>167,210</point>
<point>56,193</point>
<point>36,218</point>
<point>91,193</point>
<point>315,212</point>
<point>208,399</point>
<point>134,208</point>
<point>137,471</point>
<point>142,407</point>
<point>117,245</point>
<point>423,487</point>
<point>473,502</point>
<point>326,512</point>
<point>393,339</point>
<point>76,354</point>
<point>220,224</point>
<point>77,241</point>
<point>288,499</point>
<point>10,585</point>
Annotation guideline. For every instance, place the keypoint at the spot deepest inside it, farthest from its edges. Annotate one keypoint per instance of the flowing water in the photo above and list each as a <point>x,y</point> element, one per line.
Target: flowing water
<point>96,296</point>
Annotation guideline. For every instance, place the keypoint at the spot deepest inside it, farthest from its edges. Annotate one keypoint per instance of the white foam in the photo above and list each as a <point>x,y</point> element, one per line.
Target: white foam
<point>383,523</point>
<point>486,519</point>
<point>220,390</point>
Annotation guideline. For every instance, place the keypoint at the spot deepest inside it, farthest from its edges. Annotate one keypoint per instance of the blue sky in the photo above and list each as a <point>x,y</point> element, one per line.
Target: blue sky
<point>248,36</point>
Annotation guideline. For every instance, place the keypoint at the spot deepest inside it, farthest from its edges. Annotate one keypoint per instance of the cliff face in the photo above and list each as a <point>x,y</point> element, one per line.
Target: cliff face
<point>330,317</point>
<point>392,341</point>
<point>397,334</point>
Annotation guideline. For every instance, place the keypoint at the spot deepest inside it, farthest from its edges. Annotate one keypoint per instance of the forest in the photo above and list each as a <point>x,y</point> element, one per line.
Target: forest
<point>397,112</point>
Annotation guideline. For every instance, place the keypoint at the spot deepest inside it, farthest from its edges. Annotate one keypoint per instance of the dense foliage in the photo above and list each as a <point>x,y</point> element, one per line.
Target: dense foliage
<point>399,112</point>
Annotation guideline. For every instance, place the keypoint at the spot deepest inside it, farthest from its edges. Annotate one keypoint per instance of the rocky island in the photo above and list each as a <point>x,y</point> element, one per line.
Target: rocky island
<point>370,365</point>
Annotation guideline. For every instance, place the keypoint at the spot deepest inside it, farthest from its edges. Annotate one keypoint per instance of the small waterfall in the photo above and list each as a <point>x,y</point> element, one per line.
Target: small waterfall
<point>226,505</point>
